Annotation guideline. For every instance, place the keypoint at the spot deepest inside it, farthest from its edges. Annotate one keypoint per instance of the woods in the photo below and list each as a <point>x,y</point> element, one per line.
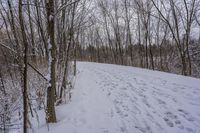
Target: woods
<point>140,33</point>
<point>42,40</point>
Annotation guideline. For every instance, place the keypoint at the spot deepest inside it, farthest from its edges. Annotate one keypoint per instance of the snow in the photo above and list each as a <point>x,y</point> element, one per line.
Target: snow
<point>48,76</point>
<point>51,17</point>
<point>119,99</point>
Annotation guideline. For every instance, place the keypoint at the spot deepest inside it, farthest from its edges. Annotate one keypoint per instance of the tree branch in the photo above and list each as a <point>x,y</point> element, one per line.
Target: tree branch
<point>12,50</point>
<point>65,5</point>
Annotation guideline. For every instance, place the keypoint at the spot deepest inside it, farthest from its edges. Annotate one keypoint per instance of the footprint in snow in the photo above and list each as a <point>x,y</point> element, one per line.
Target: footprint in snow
<point>144,130</point>
<point>108,93</point>
<point>161,101</point>
<point>168,122</point>
<point>189,130</point>
<point>186,115</point>
<point>174,118</point>
<point>122,129</point>
<point>178,122</point>
<point>171,115</point>
<point>144,100</point>
<point>179,125</point>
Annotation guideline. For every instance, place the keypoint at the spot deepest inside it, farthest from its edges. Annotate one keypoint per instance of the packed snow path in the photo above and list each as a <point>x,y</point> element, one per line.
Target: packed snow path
<point>119,99</point>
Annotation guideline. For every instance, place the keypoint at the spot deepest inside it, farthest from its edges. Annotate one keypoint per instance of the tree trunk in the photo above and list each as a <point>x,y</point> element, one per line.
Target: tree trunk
<point>25,85</point>
<point>51,115</point>
<point>33,51</point>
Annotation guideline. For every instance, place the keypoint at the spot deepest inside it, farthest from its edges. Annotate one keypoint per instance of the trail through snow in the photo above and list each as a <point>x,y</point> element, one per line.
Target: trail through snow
<point>118,99</point>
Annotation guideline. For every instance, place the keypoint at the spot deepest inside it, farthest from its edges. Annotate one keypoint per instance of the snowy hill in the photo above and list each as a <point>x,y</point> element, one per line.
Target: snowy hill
<point>119,99</point>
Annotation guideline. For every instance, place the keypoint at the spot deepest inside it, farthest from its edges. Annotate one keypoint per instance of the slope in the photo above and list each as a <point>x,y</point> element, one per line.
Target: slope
<point>118,99</point>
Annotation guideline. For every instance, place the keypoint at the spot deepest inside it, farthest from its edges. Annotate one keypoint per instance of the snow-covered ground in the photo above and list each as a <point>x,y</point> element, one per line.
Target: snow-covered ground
<point>118,99</point>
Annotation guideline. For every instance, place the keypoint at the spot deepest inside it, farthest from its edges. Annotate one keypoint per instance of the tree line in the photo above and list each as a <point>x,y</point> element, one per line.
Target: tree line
<point>153,34</point>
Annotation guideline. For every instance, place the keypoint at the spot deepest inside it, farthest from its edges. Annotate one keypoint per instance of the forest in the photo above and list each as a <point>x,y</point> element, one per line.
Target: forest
<point>42,41</point>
